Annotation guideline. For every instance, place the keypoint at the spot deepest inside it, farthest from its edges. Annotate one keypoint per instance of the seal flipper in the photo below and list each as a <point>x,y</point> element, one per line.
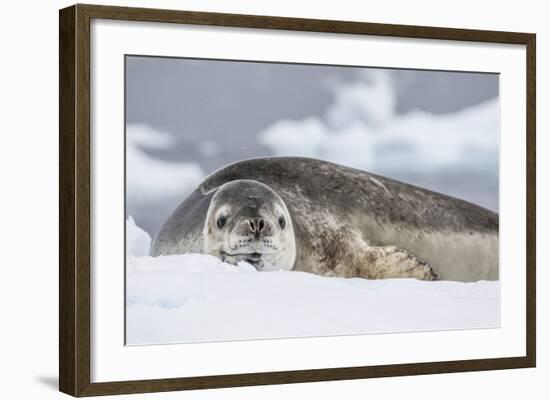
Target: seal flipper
<point>385,262</point>
<point>411,265</point>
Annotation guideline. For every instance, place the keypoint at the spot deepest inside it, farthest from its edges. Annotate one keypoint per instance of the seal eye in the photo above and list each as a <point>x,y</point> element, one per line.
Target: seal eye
<point>221,222</point>
<point>282,222</point>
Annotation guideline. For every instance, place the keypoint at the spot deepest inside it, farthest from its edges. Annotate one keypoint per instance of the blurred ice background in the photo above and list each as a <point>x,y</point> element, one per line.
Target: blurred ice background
<point>186,118</point>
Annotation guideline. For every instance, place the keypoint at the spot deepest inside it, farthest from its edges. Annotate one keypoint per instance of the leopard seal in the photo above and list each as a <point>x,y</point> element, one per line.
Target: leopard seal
<point>291,213</point>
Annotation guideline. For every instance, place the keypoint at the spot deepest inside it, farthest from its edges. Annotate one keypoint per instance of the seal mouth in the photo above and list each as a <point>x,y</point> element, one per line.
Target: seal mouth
<point>253,258</point>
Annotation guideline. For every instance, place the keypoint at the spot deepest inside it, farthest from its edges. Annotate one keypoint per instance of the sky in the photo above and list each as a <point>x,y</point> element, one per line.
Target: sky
<point>187,117</point>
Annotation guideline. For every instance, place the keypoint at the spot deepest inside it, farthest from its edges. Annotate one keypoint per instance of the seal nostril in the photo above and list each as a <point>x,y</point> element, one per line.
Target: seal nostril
<point>256,225</point>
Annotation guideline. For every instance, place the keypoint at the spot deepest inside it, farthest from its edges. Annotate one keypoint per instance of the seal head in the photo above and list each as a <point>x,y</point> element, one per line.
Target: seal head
<point>248,221</point>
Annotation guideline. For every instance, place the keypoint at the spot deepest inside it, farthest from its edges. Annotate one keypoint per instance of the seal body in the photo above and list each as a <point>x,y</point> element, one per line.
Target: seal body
<point>310,215</point>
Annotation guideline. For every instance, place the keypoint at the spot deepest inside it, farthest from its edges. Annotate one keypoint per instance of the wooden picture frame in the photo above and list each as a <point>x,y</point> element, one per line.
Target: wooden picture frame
<point>75,207</point>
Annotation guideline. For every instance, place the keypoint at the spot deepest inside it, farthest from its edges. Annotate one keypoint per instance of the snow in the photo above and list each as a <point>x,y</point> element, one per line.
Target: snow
<point>198,298</point>
<point>137,240</point>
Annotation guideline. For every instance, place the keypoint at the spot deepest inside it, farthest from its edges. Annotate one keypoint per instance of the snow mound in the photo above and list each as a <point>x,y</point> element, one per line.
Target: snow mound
<point>198,298</point>
<point>137,240</point>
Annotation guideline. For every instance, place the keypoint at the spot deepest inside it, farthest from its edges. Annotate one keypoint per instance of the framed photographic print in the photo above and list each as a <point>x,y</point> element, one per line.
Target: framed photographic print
<point>250,200</point>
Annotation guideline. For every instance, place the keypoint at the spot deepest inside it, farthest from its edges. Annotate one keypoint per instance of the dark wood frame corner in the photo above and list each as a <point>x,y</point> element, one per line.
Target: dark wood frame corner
<point>74,199</point>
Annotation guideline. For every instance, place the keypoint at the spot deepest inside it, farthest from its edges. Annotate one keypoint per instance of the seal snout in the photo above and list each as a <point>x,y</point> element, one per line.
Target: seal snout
<point>256,226</point>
